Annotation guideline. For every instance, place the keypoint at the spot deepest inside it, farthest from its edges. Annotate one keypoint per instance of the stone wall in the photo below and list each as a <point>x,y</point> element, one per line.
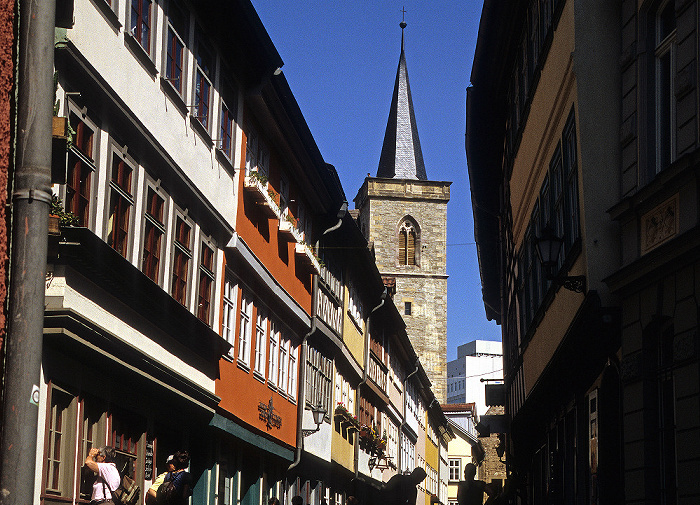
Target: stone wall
<point>384,204</point>
<point>7,44</point>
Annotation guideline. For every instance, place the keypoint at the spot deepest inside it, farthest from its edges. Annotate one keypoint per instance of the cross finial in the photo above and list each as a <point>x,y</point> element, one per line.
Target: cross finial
<point>403,18</point>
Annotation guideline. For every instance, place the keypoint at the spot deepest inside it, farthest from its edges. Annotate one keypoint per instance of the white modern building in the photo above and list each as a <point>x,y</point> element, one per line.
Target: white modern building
<point>476,360</point>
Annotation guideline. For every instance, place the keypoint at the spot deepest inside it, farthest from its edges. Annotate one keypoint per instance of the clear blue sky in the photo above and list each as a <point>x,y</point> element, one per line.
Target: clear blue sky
<point>340,59</point>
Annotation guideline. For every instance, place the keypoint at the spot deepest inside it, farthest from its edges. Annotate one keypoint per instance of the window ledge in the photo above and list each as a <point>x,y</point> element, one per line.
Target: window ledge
<point>259,376</point>
<point>108,13</point>
<point>224,159</point>
<point>228,358</point>
<point>174,94</point>
<point>357,325</point>
<point>243,365</point>
<point>198,127</point>
<point>140,53</point>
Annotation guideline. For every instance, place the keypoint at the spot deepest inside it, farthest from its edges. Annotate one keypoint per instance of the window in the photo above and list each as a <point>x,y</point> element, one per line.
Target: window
<point>282,378</point>
<point>58,462</point>
<point>128,439</point>
<point>407,244</point>
<point>408,454</point>
<point>293,372</point>
<point>227,119</point>
<point>407,308</point>
<point>260,341</point>
<point>140,23</point>
<point>354,305</point>
<point>665,99</point>
<point>177,28</point>
<point>203,75</point>
<point>319,369</point>
<point>244,335</point>
<point>455,469</point>
<point>274,353</point>
<point>257,156</point>
<point>392,444</point>
<point>229,316</point>
<point>181,260</point>
<point>556,207</point>
<point>570,162</point>
<point>154,230</point>
<point>206,282</point>
<point>81,166</point>
<point>120,203</point>
<point>284,196</point>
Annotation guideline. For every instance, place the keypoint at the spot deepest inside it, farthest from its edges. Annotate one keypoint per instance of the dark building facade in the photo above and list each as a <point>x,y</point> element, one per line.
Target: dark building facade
<point>582,127</point>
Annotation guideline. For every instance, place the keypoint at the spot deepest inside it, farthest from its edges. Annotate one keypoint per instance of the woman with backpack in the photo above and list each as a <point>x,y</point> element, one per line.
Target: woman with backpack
<point>101,461</point>
<point>177,485</point>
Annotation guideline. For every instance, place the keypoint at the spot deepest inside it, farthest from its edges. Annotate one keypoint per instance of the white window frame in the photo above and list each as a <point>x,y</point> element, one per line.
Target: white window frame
<point>228,324</point>
<point>245,329</point>
<point>153,26</point>
<point>179,213</point>
<point>200,38</point>
<point>293,358</point>
<point>261,331</point>
<point>663,48</point>
<point>162,227</point>
<point>205,241</point>
<point>283,374</point>
<point>121,152</point>
<point>273,353</point>
<point>183,38</point>
<point>455,465</point>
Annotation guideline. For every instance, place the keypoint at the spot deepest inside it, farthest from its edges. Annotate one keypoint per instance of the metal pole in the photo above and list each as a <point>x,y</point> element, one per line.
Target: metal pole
<point>30,207</point>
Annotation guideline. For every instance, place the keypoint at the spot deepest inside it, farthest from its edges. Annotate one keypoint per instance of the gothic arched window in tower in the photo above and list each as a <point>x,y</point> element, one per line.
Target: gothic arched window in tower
<point>408,243</point>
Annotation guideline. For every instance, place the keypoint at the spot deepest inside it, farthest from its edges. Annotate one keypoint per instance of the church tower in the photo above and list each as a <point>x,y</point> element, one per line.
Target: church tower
<point>404,216</point>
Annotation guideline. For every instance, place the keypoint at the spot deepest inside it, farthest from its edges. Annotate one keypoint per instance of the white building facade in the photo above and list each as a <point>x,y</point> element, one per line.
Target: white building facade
<point>476,360</point>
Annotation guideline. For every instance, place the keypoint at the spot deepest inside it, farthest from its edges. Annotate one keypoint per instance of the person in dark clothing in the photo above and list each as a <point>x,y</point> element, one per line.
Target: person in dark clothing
<point>401,489</point>
<point>181,481</point>
<point>470,491</point>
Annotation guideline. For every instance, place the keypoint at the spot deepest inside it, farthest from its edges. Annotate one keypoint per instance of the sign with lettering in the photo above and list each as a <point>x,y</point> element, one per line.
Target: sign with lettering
<point>148,465</point>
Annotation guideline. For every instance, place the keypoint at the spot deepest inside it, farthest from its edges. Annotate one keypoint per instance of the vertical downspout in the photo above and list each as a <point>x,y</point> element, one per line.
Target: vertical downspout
<point>305,345</point>
<point>403,422</point>
<point>356,457</point>
<point>31,198</point>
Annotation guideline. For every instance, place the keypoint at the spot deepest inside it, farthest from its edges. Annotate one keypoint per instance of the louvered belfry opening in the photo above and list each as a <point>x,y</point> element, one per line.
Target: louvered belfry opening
<point>407,245</point>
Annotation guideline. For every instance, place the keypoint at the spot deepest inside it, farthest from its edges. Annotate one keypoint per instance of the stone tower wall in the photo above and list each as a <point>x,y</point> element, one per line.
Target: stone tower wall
<point>384,203</point>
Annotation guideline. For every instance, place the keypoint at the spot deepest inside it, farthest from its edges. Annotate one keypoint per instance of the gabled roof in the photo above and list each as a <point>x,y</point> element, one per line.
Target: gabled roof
<point>401,156</point>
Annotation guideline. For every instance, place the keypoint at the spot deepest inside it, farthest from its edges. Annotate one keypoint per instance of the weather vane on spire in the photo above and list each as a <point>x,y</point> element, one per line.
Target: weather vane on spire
<point>402,24</point>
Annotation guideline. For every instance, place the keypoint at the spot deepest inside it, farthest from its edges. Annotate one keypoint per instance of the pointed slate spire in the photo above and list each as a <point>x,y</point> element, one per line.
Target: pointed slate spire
<point>401,156</point>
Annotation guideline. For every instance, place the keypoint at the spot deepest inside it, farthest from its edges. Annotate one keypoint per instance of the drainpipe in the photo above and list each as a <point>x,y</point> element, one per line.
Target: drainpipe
<point>31,198</point>
<point>305,346</point>
<point>302,382</point>
<point>364,377</point>
<point>403,423</point>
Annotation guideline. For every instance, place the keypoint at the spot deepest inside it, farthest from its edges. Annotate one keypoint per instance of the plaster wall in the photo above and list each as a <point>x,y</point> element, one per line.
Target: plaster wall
<point>142,94</point>
<point>71,291</point>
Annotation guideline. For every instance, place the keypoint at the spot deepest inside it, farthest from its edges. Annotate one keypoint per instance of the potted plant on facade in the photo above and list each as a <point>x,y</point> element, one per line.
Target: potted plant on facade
<point>288,228</point>
<point>59,217</point>
<point>255,183</point>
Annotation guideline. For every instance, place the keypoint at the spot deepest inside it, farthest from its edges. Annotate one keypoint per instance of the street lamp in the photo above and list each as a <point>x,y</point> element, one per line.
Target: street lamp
<point>318,412</point>
<point>548,247</point>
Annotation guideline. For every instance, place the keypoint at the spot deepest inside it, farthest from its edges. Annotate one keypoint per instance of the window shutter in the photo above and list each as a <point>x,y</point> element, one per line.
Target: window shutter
<point>411,252</point>
<point>402,247</point>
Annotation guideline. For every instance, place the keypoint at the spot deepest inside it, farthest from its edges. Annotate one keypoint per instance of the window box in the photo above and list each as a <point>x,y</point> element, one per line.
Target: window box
<point>288,229</point>
<point>256,186</point>
<point>306,255</point>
